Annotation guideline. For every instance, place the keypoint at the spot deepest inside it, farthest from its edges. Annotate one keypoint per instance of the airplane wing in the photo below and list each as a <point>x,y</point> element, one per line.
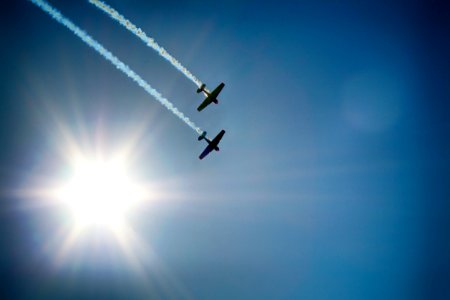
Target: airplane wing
<point>205,103</point>
<point>217,90</point>
<point>206,152</point>
<point>217,139</point>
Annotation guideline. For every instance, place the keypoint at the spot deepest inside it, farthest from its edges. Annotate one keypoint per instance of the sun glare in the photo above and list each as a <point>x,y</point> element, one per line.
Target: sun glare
<point>100,193</point>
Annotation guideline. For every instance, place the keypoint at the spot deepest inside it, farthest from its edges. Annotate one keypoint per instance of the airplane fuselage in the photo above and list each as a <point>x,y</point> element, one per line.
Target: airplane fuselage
<point>210,97</point>
<point>212,144</point>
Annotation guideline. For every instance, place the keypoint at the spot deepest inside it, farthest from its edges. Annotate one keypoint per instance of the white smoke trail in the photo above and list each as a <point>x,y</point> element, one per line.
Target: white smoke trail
<point>147,40</point>
<point>114,60</point>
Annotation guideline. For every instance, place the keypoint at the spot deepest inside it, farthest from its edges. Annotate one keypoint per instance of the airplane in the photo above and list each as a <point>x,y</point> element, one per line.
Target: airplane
<point>212,145</point>
<point>210,97</point>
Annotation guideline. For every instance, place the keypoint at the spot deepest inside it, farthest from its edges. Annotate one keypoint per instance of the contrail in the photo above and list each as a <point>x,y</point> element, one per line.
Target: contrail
<point>147,40</point>
<point>114,60</point>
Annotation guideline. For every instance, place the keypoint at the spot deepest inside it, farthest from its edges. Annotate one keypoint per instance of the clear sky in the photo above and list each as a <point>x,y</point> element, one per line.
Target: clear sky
<point>332,181</point>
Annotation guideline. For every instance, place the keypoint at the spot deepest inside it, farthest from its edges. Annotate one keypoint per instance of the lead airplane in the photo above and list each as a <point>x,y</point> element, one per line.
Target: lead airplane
<point>210,97</point>
<point>212,145</point>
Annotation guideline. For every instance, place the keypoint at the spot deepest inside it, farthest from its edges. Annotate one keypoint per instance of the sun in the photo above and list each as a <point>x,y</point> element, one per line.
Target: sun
<point>100,192</point>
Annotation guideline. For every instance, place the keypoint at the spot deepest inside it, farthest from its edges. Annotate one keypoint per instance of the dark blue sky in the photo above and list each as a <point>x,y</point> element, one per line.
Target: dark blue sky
<point>332,180</point>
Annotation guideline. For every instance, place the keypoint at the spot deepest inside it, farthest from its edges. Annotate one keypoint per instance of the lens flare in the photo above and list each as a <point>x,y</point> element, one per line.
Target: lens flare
<point>101,193</point>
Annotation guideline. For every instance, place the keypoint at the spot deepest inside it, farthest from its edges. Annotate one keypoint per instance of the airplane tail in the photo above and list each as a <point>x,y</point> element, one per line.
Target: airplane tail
<point>202,136</point>
<point>201,88</point>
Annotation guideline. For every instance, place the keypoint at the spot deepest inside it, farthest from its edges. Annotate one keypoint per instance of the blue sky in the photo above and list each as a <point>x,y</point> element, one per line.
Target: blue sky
<point>332,179</point>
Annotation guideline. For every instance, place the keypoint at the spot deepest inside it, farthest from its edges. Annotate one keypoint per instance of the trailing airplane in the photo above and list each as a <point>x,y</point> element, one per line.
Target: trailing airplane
<point>212,145</point>
<point>210,97</point>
